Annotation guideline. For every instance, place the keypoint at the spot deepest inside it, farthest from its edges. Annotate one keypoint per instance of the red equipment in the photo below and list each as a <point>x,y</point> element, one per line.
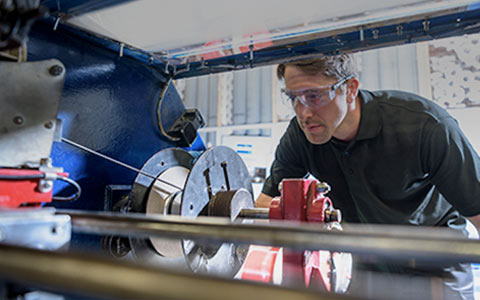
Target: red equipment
<point>301,200</point>
<point>24,187</point>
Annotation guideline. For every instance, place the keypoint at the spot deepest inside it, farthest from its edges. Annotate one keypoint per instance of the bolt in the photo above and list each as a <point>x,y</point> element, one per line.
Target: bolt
<point>334,215</point>
<point>46,161</point>
<point>426,25</point>
<point>323,187</point>
<point>18,120</point>
<point>55,70</point>
<point>45,186</point>
<point>400,30</point>
<point>49,125</point>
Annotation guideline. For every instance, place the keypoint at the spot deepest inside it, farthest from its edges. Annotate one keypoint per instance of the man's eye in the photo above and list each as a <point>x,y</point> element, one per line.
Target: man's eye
<point>311,96</point>
<point>292,97</point>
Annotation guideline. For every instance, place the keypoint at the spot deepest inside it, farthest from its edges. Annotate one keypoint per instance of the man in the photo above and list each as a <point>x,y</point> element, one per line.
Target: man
<point>390,157</point>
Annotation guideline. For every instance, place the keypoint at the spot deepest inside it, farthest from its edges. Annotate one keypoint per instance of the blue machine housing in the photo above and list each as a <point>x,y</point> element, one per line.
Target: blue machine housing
<point>109,104</point>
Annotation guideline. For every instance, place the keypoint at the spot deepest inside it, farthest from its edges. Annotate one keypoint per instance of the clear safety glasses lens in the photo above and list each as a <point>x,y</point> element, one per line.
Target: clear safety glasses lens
<point>313,97</point>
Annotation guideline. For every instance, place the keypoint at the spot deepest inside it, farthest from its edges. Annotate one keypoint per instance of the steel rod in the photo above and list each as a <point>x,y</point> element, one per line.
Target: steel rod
<point>405,242</point>
<point>90,276</point>
<point>254,213</point>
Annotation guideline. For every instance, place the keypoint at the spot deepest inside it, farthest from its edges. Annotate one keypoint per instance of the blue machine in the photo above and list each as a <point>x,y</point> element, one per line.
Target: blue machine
<point>109,104</point>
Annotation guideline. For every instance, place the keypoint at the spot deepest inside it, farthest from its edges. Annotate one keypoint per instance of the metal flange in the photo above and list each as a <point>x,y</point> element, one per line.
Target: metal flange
<point>151,197</point>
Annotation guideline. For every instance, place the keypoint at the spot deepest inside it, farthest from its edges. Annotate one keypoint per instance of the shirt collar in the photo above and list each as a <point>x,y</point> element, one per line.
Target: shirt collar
<point>370,121</point>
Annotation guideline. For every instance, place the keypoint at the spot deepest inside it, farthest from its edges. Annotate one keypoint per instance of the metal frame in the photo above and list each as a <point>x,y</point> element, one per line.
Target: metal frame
<point>356,38</point>
<point>376,34</point>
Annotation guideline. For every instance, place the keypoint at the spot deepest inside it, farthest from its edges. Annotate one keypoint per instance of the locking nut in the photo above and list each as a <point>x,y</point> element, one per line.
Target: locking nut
<point>333,215</point>
<point>323,187</point>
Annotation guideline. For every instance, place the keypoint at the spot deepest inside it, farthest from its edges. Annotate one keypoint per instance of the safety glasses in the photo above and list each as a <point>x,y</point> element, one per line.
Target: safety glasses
<point>313,97</point>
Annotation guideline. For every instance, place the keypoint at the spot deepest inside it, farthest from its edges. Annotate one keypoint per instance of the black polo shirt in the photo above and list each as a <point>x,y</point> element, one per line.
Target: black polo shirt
<point>409,164</point>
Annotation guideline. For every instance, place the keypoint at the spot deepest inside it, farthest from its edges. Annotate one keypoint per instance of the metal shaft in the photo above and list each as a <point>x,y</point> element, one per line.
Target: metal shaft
<point>72,143</point>
<point>90,277</point>
<point>406,242</point>
<point>254,213</point>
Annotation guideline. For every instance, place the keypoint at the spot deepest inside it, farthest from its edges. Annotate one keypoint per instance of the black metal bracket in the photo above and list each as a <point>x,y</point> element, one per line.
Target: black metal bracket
<point>186,126</point>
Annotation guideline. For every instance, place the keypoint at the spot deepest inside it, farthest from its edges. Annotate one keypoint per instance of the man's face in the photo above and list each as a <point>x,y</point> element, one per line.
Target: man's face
<point>318,123</point>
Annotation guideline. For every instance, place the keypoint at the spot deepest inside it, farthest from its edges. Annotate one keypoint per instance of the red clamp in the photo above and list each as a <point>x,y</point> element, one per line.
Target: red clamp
<point>300,200</point>
<point>25,188</point>
<point>303,200</point>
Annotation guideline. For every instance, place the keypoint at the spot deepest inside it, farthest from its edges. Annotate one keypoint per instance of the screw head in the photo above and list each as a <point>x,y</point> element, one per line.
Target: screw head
<point>55,70</point>
<point>48,125</point>
<point>45,187</point>
<point>18,120</point>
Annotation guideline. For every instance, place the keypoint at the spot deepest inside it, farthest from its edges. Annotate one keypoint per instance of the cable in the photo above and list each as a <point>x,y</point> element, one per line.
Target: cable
<point>74,184</point>
<point>42,176</point>
<point>72,143</point>
<point>22,177</point>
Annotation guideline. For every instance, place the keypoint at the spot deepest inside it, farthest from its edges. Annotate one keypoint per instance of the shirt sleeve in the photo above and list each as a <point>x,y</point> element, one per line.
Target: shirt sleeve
<point>453,165</point>
<point>288,160</point>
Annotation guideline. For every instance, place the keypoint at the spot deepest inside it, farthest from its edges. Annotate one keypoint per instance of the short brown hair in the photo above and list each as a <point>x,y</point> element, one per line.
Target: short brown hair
<point>336,66</point>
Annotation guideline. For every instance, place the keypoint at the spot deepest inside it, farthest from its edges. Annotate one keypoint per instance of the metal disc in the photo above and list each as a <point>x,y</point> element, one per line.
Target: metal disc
<point>143,249</point>
<point>208,174</point>
<point>156,165</point>
<point>206,178</point>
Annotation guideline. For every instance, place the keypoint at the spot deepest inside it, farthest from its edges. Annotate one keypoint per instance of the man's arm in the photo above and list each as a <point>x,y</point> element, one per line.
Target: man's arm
<point>475,221</point>
<point>264,201</point>
<point>453,167</point>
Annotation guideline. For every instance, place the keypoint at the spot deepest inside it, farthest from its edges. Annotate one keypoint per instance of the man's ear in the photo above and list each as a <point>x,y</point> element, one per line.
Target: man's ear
<point>352,89</point>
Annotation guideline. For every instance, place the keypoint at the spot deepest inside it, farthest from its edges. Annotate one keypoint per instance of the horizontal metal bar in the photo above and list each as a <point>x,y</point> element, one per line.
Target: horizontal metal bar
<point>393,242</point>
<point>112,279</point>
<point>459,19</point>
<point>446,23</point>
<point>254,213</point>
